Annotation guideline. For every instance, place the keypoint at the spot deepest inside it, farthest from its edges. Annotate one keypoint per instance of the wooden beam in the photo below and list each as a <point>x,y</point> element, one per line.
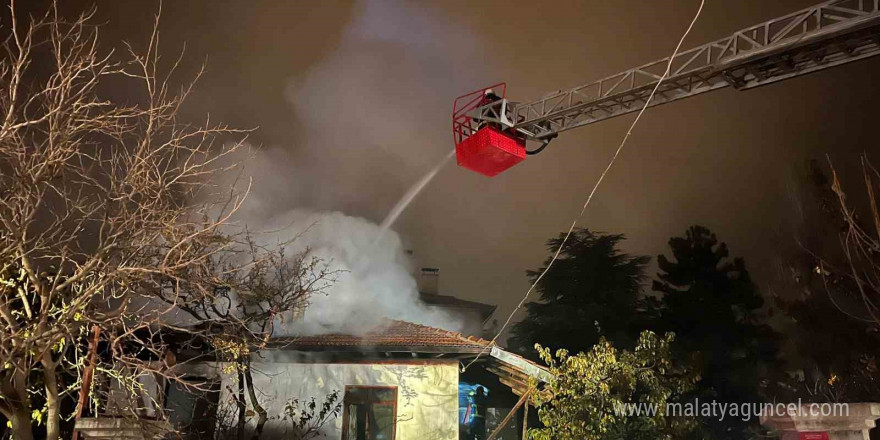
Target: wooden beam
<point>517,388</point>
<point>511,371</point>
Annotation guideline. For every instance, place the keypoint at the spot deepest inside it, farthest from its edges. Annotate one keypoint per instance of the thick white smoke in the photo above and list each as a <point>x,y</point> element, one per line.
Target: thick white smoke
<point>369,119</point>
<point>374,280</point>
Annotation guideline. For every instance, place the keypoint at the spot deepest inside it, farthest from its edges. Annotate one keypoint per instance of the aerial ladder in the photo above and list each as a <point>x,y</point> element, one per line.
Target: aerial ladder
<point>491,133</point>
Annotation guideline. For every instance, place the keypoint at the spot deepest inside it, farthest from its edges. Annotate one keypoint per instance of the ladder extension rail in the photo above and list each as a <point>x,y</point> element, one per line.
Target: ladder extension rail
<point>822,36</point>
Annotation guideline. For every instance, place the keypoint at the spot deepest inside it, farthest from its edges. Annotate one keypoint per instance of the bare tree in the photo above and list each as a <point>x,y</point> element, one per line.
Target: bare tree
<point>861,240</point>
<point>237,299</point>
<point>108,220</point>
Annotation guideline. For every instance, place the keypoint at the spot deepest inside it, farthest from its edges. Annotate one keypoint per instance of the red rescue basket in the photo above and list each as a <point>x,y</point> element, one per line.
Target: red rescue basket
<point>485,147</point>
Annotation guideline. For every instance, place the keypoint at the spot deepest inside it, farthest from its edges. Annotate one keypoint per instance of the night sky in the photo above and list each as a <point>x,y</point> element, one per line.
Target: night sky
<point>352,103</point>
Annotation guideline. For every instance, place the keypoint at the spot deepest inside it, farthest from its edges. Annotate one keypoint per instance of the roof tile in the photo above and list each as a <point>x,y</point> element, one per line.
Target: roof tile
<point>392,334</point>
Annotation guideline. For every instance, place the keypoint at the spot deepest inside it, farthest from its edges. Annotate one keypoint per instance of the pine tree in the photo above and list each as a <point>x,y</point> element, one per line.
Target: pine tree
<point>713,307</point>
<point>592,290</point>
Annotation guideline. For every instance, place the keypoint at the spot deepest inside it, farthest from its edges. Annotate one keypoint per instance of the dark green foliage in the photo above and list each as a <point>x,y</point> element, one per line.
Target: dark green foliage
<point>712,305</point>
<point>836,353</point>
<point>592,290</point>
<point>706,298</point>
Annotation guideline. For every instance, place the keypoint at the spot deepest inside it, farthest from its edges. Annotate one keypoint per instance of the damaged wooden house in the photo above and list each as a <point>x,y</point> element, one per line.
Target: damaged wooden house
<point>399,381</point>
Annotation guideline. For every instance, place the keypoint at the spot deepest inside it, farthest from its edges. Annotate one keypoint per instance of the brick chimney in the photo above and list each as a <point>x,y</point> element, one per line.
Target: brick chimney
<point>429,281</point>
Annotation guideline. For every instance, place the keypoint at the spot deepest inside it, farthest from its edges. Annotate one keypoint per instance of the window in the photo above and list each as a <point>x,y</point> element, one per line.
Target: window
<point>370,413</point>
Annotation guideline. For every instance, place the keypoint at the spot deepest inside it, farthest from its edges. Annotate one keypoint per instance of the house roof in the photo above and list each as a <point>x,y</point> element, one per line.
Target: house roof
<point>485,310</point>
<point>402,336</point>
<point>392,336</point>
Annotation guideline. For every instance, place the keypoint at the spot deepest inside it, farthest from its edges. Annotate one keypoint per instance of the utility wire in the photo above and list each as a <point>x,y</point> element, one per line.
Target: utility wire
<point>595,187</point>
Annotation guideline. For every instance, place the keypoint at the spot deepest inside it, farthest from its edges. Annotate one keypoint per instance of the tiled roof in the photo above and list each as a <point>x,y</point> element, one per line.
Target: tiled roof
<point>403,336</point>
<point>486,310</point>
<point>392,336</point>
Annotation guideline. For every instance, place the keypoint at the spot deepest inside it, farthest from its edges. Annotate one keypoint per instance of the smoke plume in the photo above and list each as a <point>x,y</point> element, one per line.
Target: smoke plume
<point>374,280</point>
<point>357,136</point>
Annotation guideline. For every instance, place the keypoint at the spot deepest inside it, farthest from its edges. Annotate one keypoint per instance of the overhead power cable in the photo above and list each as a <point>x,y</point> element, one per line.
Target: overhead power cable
<point>593,191</point>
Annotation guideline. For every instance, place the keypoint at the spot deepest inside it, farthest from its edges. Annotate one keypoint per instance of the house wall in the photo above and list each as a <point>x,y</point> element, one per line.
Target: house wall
<point>427,394</point>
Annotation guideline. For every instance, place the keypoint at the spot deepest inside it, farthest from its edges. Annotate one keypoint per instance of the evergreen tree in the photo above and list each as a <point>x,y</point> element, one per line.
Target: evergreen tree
<point>712,306</point>
<point>591,291</point>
